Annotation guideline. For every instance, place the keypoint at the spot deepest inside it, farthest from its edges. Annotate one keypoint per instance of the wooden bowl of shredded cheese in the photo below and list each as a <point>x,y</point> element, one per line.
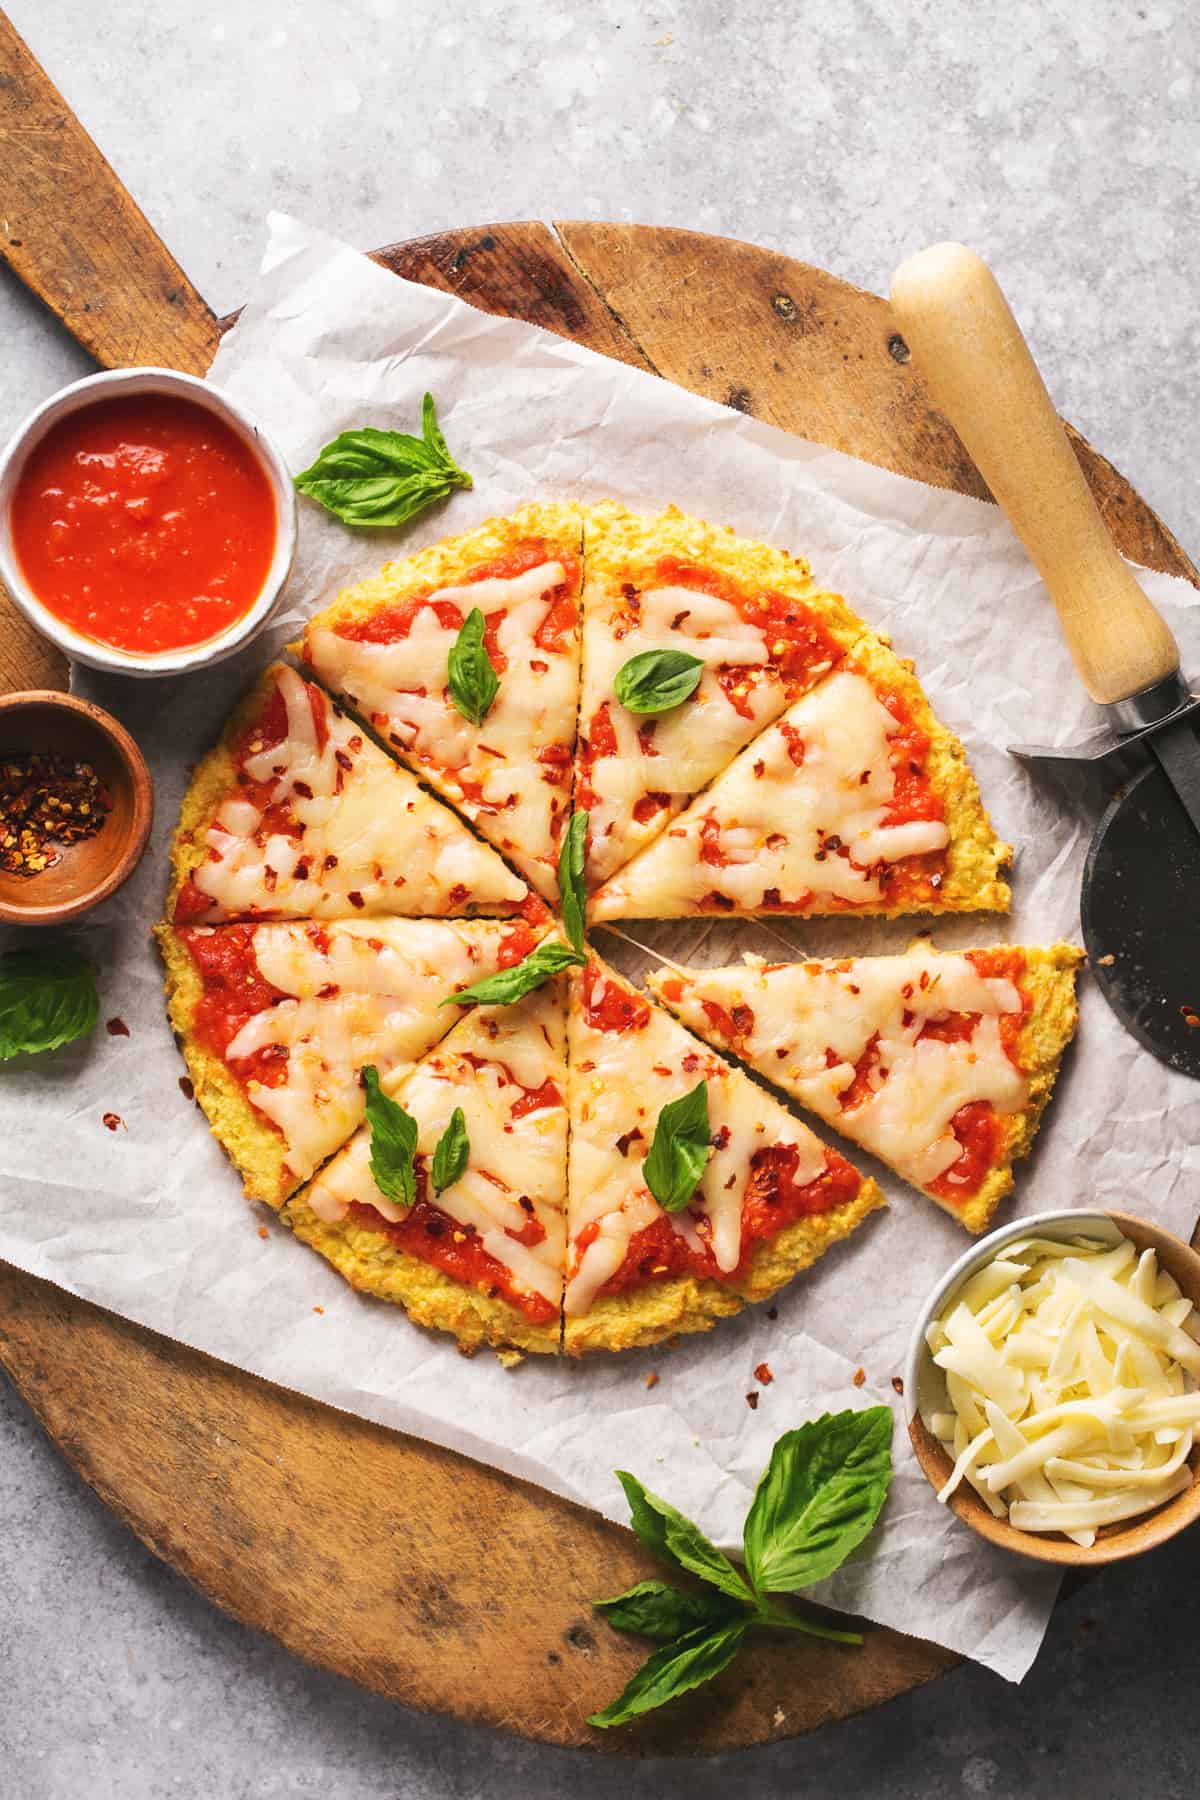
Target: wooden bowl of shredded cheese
<point>1053,1387</point>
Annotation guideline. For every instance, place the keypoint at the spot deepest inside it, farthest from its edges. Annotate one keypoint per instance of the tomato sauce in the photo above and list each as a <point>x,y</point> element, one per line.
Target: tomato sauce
<point>612,1008</point>
<point>427,1232</point>
<point>797,641</point>
<point>553,634</point>
<point>234,991</point>
<point>145,523</point>
<point>978,1129</point>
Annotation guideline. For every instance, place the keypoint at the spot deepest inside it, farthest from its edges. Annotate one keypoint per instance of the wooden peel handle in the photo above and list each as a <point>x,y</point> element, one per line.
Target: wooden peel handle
<point>970,350</point>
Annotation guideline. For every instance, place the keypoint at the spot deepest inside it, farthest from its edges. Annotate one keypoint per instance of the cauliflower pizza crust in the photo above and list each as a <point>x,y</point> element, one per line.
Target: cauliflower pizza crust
<point>753,615</point>
<point>276,1020</point>
<point>297,814</point>
<point>482,1259</point>
<point>939,1063</point>
<point>771,1200</point>
<point>383,646</point>
<point>856,800</point>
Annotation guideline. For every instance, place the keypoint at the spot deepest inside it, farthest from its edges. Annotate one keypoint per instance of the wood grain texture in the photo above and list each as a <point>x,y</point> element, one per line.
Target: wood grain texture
<point>358,1547</point>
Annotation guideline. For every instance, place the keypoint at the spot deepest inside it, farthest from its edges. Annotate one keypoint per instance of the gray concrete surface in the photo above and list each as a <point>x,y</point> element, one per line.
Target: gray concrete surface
<point>1062,139</point>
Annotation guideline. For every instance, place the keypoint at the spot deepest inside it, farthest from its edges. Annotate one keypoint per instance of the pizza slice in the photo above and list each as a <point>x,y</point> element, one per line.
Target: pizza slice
<point>939,1063</point>
<point>482,1256</point>
<point>856,800</point>
<point>771,1197</point>
<point>490,724</point>
<point>276,1020</point>
<point>296,814</point>
<point>678,594</point>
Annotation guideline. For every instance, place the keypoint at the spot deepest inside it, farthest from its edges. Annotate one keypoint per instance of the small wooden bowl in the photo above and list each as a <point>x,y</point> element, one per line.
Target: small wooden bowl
<point>94,868</point>
<point>1113,1542</point>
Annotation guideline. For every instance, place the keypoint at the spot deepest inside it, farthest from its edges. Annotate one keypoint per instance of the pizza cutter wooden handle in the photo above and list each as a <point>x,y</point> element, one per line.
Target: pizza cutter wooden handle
<point>979,370</point>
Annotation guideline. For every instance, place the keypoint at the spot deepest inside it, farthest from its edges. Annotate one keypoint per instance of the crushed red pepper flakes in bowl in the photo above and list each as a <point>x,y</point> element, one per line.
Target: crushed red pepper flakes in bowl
<point>46,800</point>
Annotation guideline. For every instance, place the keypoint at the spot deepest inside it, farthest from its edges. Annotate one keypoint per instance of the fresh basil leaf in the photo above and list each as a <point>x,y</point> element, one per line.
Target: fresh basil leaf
<point>393,1143</point>
<point>668,1534</point>
<point>47,999</point>
<point>379,478</point>
<point>451,1153</point>
<point>679,1149</point>
<point>507,985</point>
<point>819,1496</point>
<point>470,675</point>
<point>572,892</point>
<point>675,1669</point>
<point>655,681</point>
<point>655,1609</point>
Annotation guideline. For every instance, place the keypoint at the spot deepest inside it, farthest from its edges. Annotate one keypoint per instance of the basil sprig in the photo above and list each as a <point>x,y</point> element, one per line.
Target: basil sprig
<point>379,478</point>
<point>47,999</point>
<point>393,1142</point>
<point>679,1149</point>
<point>656,681</point>
<point>818,1498</point>
<point>507,985</point>
<point>451,1153</point>
<point>572,891</point>
<point>470,674</point>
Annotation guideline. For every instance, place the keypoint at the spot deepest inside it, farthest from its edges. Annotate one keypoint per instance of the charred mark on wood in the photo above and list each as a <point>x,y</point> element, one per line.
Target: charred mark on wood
<point>740,399</point>
<point>898,350</point>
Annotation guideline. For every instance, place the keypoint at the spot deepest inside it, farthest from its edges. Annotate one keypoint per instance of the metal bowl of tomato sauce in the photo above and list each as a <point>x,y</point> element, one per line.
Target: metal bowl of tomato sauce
<point>147,522</point>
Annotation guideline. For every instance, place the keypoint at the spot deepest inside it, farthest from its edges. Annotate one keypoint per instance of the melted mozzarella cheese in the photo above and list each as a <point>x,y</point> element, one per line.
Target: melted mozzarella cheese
<point>770,819</point>
<point>488,1062</point>
<point>372,996</point>
<point>1069,1371</point>
<point>815,1021</point>
<point>401,687</point>
<point>689,743</point>
<point>368,830</point>
<point>620,1082</point>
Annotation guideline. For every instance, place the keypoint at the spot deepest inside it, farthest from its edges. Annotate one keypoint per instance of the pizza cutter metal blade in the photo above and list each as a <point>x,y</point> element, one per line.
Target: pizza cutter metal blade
<point>1140,902</point>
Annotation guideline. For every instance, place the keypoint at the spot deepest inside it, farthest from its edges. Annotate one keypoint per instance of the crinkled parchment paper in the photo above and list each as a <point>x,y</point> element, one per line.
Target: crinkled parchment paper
<point>148,1220</point>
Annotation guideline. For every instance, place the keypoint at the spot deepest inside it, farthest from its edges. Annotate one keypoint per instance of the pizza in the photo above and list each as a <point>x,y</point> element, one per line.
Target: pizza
<point>939,1063</point>
<point>752,616</point>
<point>276,1021</point>
<point>385,647</point>
<point>482,1258</point>
<point>855,800</point>
<point>296,814</point>
<point>771,1198</point>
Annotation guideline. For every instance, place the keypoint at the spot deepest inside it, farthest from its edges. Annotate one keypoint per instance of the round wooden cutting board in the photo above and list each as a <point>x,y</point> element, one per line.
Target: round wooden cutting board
<point>422,1575</point>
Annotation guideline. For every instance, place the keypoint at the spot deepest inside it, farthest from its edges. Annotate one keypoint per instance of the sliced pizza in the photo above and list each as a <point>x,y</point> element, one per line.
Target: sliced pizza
<point>275,1022</point>
<point>938,1063</point>
<point>482,708</point>
<point>482,1255</point>
<point>770,1196</point>
<point>297,814</point>
<point>856,800</point>
<point>721,635</point>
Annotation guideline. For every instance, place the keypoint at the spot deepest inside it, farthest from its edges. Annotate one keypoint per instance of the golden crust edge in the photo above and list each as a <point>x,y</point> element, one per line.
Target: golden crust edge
<point>260,1156</point>
<point>373,1265</point>
<point>684,1304</point>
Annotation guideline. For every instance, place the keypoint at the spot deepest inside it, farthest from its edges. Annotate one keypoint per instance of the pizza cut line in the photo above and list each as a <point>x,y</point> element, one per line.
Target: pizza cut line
<point>751,615</point>
<point>296,813</point>
<point>325,904</point>
<point>939,1063</point>
<point>855,800</point>
<point>277,1020</point>
<point>384,647</point>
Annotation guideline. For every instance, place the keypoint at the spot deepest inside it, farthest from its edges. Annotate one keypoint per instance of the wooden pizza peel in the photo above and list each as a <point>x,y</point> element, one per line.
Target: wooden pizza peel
<point>429,1578</point>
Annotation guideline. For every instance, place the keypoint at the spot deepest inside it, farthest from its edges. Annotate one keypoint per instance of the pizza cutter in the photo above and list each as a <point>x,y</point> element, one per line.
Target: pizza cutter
<point>1140,903</point>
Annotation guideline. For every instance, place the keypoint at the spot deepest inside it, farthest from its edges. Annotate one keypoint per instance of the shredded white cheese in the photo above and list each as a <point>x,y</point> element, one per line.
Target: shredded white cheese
<point>1071,1372</point>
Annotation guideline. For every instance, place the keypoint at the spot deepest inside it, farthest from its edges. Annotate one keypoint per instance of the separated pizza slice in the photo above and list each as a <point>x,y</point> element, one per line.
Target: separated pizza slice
<point>482,1255</point>
<point>275,1022</point>
<point>940,1063</point>
<point>297,814</point>
<point>465,660</point>
<point>693,641</point>
<point>770,1196</point>
<point>856,800</point>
